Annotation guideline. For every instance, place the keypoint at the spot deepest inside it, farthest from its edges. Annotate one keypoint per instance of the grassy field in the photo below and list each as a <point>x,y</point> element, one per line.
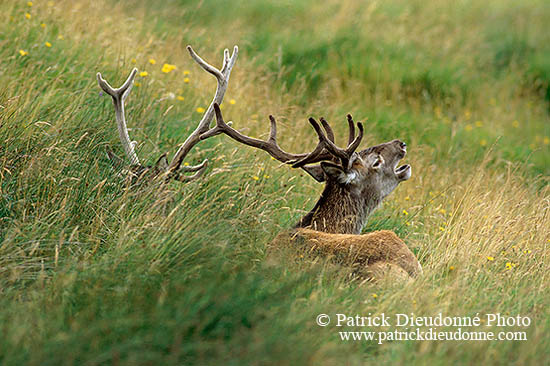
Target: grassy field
<point>93,274</point>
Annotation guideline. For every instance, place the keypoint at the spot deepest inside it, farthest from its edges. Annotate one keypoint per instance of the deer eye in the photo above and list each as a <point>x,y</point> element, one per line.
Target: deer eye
<point>377,163</point>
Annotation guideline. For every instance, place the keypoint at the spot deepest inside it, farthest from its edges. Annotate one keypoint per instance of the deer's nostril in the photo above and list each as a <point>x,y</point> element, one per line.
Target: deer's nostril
<point>403,145</point>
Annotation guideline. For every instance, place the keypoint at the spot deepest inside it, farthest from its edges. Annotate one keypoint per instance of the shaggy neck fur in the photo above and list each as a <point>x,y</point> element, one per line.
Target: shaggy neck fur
<point>340,210</point>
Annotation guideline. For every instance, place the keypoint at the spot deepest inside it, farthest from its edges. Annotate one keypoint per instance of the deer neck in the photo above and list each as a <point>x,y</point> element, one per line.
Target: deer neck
<point>340,210</point>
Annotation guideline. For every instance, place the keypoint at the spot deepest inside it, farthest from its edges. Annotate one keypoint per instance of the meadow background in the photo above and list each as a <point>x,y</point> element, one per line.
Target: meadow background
<point>94,274</point>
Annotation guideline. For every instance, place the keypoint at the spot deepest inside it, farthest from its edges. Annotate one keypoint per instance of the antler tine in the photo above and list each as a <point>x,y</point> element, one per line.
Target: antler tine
<point>119,95</point>
<point>316,155</point>
<point>326,126</point>
<point>194,168</point>
<point>351,125</point>
<point>272,129</point>
<point>205,65</point>
<point>232,60</point>
<point>222,78</point>
<point>355,143</point>
<point>188,178</point>
<point>225,60</point>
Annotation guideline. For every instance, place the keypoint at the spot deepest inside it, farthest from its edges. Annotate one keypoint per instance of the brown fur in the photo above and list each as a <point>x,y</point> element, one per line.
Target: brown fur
<point>373,255</point>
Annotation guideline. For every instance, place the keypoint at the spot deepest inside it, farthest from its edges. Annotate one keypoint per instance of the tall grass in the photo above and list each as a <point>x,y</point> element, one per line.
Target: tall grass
<point>92,273</point>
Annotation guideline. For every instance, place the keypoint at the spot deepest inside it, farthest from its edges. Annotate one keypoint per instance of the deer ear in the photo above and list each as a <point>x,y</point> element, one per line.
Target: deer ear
<point>162,163</point>
<point>316,172</point>
<point>335,172</point>
<point>332,171</point>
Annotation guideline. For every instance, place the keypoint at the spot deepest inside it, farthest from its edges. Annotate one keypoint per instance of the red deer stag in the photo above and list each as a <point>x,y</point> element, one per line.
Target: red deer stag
<point>162,168</point>
<point>355,184</point>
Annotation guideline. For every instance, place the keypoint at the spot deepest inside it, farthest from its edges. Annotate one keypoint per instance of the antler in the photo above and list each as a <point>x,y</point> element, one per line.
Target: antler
<point>325,150</point>
<point>162,167</point>
<point>345,155</point>
<point>222,77</point>
<point>119,95</point>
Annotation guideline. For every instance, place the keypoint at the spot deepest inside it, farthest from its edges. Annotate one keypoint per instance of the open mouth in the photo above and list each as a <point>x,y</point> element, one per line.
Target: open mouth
<point>402,168</point>
<point>403,172</point>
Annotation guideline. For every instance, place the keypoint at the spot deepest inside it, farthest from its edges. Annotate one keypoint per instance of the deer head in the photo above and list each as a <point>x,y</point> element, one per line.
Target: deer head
<point>373,171</point>
<point>355,182</point>
<point>162,167</point>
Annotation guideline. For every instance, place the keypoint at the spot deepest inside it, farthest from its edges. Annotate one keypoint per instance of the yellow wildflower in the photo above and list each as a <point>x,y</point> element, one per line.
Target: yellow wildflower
<point>468,127</point>
<point>405,213</point>
<point>467,114</point>
<point>186,164</point>
<point>515,124</point>
<point>23,53</point>
<point>137,83</point>
<point>546,140</point>
<point>451,268</point>
<point>134,61</point>
<point>166,68</point>
<point>29,3</point>
<point>267,176</point>
<point>42,25</point>
<point>442,211</point>
<point>143,74</point>
<point>483,142</point>
<point>47,44</point>
<point>491,258</point>
<point>60,36</point>
<point>256,178</point>
<point>374,296</point>
<point>407,223</point>
<point>509,265</point>
<point>186,72</point>
<point>180,98</point>
<point>528,251</point>
<point>27,15</point>
<point>441,228</point>
<point>186,80</point>
<point>407,198</point>
<point>152,61</point>
<point>200,110</point>
<point>232,101</point>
